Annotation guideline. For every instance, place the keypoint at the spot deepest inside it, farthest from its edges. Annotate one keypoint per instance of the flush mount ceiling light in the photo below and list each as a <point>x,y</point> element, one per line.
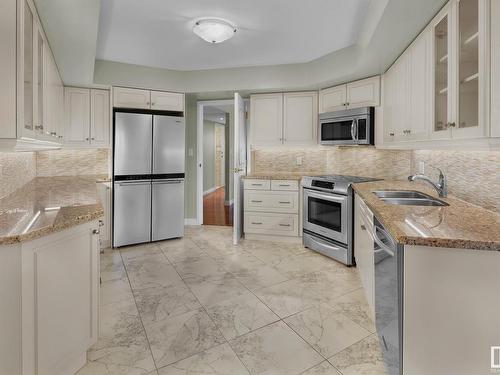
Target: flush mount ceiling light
<point>214,30</point>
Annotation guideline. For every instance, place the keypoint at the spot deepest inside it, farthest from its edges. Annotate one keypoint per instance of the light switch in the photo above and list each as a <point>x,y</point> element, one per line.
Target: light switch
<point>190,152</point>
<point>421,167</point>
<point>299,160</point>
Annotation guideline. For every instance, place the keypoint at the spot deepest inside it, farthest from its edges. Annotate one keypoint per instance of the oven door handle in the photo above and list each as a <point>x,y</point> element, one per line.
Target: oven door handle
<point>354,130</point>
<point>328,197</point>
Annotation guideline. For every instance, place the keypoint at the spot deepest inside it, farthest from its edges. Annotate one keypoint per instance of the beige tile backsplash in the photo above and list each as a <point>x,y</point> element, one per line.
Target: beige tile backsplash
<point>472,175</point>
<point>16,169</point>
<point>72,162</point>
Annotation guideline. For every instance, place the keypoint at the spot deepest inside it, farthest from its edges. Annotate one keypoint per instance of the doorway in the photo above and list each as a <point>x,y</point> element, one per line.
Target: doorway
<point>217,182</point>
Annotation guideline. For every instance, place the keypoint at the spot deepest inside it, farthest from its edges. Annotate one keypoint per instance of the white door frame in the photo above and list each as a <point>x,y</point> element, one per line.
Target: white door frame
<point>199,153</point>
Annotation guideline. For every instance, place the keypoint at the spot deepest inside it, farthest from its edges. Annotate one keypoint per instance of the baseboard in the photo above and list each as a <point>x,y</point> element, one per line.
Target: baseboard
<point>192,221</point>
<point>209,191</point>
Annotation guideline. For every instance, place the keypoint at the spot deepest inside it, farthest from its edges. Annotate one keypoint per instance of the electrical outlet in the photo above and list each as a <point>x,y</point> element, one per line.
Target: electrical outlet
<point>421,167</point>
<point>298,161</point>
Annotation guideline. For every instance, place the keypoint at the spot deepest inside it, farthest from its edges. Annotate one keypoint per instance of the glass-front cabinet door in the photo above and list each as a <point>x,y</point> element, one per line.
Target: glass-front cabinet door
<point>471,30</point>
<point>442,75</point>
<point>40,83</point>
<point>29,73</point>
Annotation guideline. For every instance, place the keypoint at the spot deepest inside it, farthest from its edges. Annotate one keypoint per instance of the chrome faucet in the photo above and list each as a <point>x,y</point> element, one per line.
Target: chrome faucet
<point>441,187</point>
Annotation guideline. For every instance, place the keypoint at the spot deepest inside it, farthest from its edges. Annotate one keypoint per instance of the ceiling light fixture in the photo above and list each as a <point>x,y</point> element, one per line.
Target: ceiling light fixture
<point>214,30</point>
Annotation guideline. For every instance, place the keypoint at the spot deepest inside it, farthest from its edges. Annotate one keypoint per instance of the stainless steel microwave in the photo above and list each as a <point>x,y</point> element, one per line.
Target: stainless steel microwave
<point>347,127</point>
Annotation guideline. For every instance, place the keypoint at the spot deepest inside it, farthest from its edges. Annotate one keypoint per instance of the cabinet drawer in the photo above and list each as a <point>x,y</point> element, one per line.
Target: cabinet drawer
<point>270,223</point>
<point>285,185</point>
<point>256,184</point>
<point>272,201</point>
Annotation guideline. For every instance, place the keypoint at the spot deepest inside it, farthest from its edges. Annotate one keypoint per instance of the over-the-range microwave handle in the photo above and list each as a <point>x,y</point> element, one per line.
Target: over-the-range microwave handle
<point>354,129</point>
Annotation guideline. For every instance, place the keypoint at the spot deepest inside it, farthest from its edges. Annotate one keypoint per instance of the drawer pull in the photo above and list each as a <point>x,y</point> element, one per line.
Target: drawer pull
<point>285,225</point>
<point>283,202</point>
<point>284,185</point>
<point>256,184</point>
<point>254,223</point>
<point>256,201</point>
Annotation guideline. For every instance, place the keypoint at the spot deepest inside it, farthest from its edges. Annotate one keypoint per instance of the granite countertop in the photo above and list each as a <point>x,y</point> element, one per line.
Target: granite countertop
<point>46,205</point>
<point>459,225</point>
<point>279,176</point>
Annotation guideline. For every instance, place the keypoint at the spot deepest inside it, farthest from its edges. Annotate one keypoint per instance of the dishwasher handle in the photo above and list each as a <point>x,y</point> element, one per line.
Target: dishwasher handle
<point>380,243</point>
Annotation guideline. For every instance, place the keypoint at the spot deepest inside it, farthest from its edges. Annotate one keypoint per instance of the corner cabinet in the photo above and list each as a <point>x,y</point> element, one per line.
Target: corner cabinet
<point>50,287</point>
<point>363,93</point>
<point>446,87</point>
<point>31,115</point>
<point>87,118</point>
<point>284,118</point>
<point>124,97</point>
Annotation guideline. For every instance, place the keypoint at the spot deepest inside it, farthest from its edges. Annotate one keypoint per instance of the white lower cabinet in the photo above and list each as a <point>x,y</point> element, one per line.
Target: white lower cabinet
<point>50,295</point>
<point>104,192</point>
<point>271,207</point>
<point>363,249</point>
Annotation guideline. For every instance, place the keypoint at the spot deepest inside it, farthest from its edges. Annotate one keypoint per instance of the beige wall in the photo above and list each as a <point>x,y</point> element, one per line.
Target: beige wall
<point>472,175</point>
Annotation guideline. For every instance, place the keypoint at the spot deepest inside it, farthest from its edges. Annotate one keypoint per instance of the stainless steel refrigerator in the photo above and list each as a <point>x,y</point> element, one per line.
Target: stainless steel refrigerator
<point>148,178</point>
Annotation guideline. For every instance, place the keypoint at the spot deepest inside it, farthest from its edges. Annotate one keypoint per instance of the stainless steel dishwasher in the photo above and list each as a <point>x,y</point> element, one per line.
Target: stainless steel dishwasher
<point>388,259</point>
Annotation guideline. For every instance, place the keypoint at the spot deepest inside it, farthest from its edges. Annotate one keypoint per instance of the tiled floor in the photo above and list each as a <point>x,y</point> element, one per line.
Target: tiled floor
<point>200,305</point>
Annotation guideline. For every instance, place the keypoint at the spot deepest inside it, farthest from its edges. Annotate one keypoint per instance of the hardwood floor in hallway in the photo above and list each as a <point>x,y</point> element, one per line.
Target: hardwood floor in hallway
<point>214,210</point>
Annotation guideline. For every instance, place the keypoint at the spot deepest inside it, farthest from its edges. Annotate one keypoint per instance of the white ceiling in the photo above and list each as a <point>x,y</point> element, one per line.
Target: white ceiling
<point>158,33</point>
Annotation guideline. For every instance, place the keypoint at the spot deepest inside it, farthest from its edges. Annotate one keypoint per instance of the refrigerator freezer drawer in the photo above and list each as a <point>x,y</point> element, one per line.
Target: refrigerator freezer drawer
<point>133,148</point>
<point>132,213</point>
<point>167,209</point>
<point>168,145</point>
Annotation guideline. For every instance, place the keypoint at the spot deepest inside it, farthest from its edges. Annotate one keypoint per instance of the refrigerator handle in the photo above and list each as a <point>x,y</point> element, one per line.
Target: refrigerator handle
<point>167,181</point>
<point>128,183</point>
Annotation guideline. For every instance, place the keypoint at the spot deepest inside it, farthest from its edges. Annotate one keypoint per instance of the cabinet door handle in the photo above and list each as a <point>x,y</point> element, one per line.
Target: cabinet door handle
<point>101,223</point>
<point>152,104</point>
<point>284,202</point>
<point>86,139</point>
<point>363,227</point>
<point>93,139</point>
<point>391,134</point>
<point>285,225</point>
<point>254,223</point>
<point>96,231</point>
<point>253,201</point>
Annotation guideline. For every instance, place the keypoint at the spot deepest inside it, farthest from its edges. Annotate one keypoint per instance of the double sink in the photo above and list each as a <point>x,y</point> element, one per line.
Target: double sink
<point>408,198</point>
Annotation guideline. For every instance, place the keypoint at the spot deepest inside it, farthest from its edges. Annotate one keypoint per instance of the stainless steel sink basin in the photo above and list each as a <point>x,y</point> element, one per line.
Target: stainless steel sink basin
<point>408,198</point>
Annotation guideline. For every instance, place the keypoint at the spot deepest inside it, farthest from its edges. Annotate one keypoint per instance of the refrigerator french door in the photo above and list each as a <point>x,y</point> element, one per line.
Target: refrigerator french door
<point>148,178</point>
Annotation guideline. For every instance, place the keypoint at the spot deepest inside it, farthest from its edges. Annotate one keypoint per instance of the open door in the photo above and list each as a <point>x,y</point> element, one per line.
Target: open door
<point>240,165</point>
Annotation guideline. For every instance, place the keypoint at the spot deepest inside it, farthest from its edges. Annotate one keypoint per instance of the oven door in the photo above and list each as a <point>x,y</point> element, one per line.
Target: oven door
<point>326,214</point>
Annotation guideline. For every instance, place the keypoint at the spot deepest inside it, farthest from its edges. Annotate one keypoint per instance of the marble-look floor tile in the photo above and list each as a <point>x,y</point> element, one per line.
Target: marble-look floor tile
<point>211,291</point>
<point>182,336</point>
<point>115,290</point>
<point>298,265</point>
<point>324,368</point>
<point>112,267</point>
<point>149,272</point>
<point>259,277</point>
<point>200,270</point>
<point>122,347</point>
<point>239,261</point>
<point>354,306</point>
<point>220,360</point>
<point>237,316</point>
<point>325,330</point>
<point>139,251</point>
<point>183,249</point>
<point>275,349</point>
<point>288,298</point>
<point>362,358</point>
<point>161,302</point>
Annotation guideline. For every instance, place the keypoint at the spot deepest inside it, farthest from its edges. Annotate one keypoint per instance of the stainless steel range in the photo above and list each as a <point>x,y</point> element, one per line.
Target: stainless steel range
<point>329,215</point>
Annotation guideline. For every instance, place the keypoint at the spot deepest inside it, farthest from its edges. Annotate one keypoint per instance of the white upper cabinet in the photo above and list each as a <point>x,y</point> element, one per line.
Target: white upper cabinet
<point>300,118</point>
<point>495,70</point>
<point>87,117</point>
<point>363,93</point>
<point>266,119</point>
<point>333,99</point>
<point>167,101</point>
<point>131,98</point>
<point>99,118</point>
<point>28,114</point>
<point>448,78</point>
<point>146,99</point>
<point>290,118</point>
